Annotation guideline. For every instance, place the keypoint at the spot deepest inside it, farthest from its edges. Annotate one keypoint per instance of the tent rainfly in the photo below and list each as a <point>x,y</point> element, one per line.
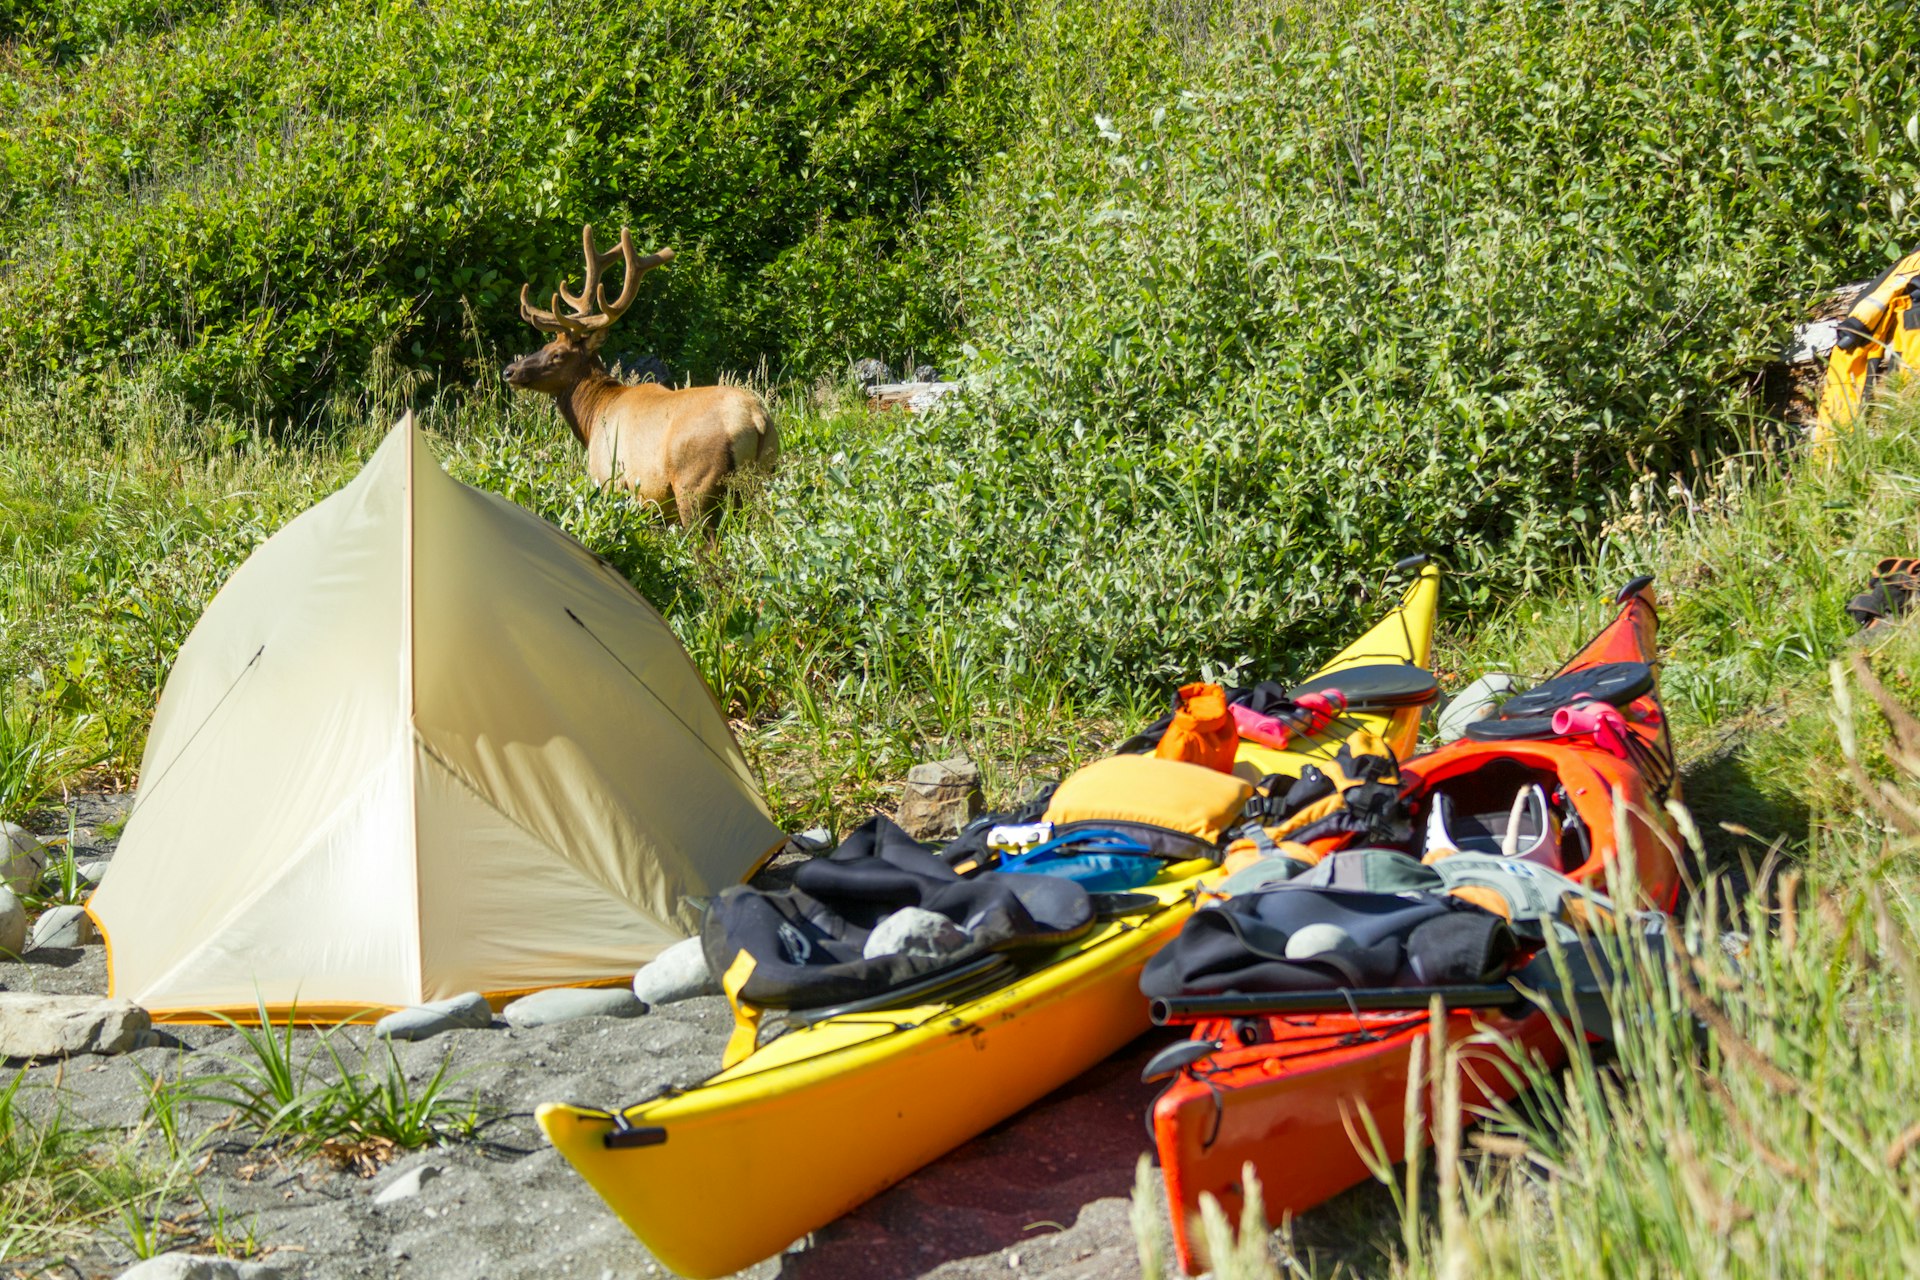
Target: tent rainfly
<point>421,743</point>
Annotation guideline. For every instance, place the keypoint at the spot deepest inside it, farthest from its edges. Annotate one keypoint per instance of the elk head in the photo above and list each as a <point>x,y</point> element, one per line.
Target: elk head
<point>574,351</point>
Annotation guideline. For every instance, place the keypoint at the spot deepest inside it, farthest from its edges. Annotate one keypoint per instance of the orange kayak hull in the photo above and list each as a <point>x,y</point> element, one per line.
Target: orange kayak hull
<point>1301,1096</point>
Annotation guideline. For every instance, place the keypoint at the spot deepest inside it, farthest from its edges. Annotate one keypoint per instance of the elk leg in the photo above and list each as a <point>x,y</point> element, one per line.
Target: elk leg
<point>697,505</point>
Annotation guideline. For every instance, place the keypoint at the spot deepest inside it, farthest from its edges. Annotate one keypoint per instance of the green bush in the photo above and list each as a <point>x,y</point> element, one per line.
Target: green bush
<point>1369,281</point>
<point>255,198</point>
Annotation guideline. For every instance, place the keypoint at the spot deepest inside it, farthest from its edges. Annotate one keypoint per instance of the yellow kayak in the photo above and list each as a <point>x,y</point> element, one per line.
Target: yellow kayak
<point>827,1116</point>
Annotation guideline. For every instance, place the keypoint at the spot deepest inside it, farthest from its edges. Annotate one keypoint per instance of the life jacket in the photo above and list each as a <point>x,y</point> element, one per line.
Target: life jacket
<point>1359,795</point>
<point>1879,339</point>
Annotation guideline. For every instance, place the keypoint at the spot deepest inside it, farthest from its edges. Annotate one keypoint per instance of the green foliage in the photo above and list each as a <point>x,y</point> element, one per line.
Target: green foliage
<point>285,1095</point>
<point>61,1182</point>
<point>1376,280</point>
<point>254,198</point>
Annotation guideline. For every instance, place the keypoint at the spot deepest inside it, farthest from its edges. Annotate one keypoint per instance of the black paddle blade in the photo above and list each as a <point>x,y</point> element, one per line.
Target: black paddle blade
<point>1386,684</point>
<point>1176,1058</point>
<point>1615,683</point>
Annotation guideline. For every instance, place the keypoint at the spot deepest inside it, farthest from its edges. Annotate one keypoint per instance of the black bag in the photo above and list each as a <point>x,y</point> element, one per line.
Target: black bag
<point>808,942</point>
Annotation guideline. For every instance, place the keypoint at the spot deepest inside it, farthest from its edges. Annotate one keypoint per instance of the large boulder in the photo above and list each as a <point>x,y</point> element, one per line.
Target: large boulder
<point>42,1026</point>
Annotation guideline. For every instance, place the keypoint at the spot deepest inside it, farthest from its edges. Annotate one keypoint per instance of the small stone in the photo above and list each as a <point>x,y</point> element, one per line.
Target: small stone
<point>812,840</point>
<point>22,858</point>
<point>93,870</point>
<point>925,373</point>
<point>1476,701</point>
<point>198,1266</point>
<point>678,973</point>
<point>39,1026</point>
<point>407,1185</point>
<point>941,798</point>
<point>13,924</point>
<point>914,931</point>
<point>64,927</point>
<point>417,1022</point>
<point>871,372</point>
<point>565,1004</point>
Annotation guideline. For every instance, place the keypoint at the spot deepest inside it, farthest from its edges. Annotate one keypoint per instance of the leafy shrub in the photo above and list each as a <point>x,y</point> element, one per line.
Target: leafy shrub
<point>257,197</point>
<point>1374,280</point>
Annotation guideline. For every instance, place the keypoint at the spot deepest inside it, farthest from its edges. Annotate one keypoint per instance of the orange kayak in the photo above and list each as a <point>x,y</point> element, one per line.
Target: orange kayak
<point>1284,1092</point>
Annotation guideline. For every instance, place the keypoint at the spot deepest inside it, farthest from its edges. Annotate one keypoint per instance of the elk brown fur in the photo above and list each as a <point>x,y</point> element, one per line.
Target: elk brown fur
<point>671,446</point>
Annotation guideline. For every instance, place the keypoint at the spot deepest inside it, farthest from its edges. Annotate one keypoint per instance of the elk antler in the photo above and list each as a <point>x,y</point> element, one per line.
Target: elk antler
<point>592,291</point>
<point>550,320</point>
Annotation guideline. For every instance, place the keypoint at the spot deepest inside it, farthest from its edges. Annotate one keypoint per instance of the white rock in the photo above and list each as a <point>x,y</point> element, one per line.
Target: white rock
<point>469,1010</point>
<point>812,840</point>
<point>22,858</point>
<point>564,1004</point>
<point>64,927</point>
<point>407,1185</point>
<point>1477,701</point>
<point>1317,940</point>
<point>1811,342</point>
<point>38,1026</point>
<point>914,931</point>
<point>13,924</point>
<point>196,1266</point>
<point>678,973</point>
<point>93,870</point>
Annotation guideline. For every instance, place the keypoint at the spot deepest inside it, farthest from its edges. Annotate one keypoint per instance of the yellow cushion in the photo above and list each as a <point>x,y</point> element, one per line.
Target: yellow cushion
<point>1185,797</point>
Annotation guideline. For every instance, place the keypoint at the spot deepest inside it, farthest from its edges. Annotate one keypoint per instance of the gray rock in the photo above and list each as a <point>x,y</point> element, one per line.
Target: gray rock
<point>406,1185</point>
<point>645,368</point>
<point>22,858</point>
<point>564,1004</point>
<point>812,840</point>
<point>1477,701</point>
<point>93,870</point>
<point>197,1266</point>
<point>914,397</point>
<point>871,372</point>
<point>37,1026</point>
<point>914,931</point>
<point>678,973</point>
<point>417,1022</point>
<point>925,373</point>
<point>941,798</point>
<point>63,927</point>
<point>1811,342</point>
<point>13,924</point>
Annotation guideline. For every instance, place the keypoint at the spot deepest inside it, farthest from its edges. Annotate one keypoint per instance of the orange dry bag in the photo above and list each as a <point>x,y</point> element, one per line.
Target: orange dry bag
<point>1202,731</point>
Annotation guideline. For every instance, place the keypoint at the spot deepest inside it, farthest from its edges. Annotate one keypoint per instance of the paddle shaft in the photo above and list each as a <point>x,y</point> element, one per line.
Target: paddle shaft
<point>1167,1010</point>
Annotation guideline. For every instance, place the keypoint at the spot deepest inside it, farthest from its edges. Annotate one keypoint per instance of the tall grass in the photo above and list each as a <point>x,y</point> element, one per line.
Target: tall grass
<point>1754,1116</point>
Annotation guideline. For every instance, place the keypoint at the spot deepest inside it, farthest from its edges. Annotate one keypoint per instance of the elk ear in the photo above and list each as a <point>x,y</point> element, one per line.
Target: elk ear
<point>596,339</point>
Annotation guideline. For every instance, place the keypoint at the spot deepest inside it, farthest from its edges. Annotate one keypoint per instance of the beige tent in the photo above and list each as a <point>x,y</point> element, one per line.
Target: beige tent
<point>421,743</point>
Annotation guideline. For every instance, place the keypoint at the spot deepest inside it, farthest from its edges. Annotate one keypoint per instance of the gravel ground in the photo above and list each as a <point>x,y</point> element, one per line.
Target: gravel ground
<point>1044,1194</point>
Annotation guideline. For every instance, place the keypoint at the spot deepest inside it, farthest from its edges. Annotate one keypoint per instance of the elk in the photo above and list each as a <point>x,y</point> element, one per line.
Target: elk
<point>663,444</point>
